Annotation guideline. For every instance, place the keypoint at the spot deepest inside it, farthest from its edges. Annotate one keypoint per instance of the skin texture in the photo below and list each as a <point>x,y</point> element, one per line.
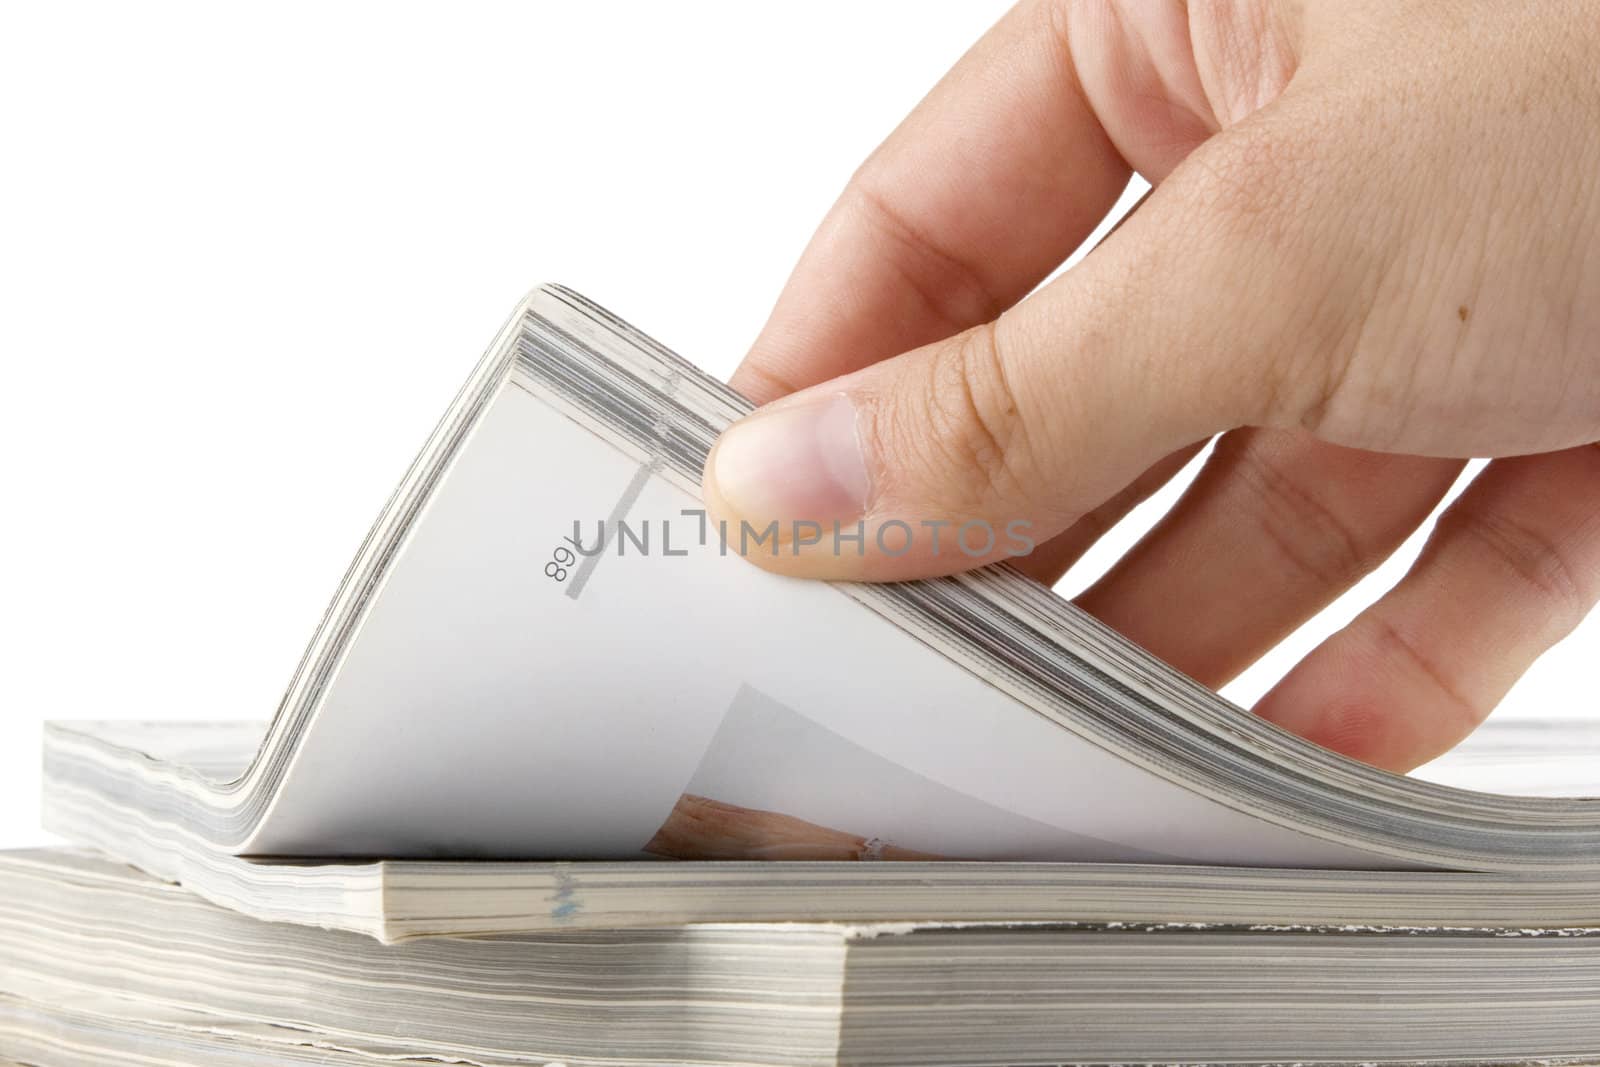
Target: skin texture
<point>1372,251</point>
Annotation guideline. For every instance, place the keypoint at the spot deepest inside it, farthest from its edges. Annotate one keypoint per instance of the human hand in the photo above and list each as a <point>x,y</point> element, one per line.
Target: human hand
<point>1372,250</point>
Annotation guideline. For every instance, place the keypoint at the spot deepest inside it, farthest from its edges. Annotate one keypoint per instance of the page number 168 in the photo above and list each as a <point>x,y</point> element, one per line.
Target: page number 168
<point>561,561</point>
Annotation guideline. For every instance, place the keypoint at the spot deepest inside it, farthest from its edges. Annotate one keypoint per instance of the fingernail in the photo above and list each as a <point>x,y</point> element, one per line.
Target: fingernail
<point>796,462</point>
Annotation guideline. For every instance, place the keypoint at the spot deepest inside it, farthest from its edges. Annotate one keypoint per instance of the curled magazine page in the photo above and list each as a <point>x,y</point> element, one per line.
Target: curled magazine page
<point>566,660</point>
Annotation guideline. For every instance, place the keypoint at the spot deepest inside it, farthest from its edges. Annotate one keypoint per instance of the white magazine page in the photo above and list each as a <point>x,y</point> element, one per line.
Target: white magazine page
<point>510,696</point>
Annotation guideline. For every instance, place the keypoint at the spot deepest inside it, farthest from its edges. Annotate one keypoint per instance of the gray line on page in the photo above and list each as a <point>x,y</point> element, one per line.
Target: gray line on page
<point>641,478</point>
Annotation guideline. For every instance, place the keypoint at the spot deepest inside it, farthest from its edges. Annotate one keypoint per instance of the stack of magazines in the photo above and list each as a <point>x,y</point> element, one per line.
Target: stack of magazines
<point>559,781</point>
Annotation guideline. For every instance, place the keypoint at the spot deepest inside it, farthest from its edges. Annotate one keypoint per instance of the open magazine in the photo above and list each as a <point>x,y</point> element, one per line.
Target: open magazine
<point>544,650</point>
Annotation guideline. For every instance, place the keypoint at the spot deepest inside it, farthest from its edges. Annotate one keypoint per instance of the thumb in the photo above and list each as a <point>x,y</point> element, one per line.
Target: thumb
<point>979,447</point>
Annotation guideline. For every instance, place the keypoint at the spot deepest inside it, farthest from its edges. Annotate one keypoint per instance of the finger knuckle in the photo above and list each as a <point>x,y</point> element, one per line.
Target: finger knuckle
<point>1526,553</point>
<point>974,427</point>
<point>1309,529</point>
<point>951,286</point>
<point>1453,710</point>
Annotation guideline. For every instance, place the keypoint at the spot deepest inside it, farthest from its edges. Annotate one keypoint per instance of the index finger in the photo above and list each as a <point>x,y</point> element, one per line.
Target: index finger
<point>985,188</point>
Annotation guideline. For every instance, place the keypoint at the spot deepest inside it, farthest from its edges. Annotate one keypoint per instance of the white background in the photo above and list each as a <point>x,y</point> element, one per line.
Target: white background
<point>247,255</point>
